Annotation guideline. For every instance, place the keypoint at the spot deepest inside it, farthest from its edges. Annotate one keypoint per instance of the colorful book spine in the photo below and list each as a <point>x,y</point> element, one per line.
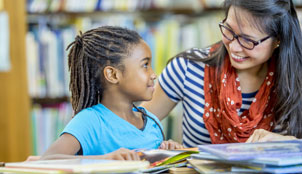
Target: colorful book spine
<point>48,122</point>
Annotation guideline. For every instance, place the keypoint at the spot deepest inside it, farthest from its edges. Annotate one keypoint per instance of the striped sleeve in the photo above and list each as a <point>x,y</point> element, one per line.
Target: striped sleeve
<point>172,78</point>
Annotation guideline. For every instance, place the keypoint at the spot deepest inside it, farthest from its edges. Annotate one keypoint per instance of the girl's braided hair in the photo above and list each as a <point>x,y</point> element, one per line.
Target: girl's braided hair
<point>90,53</point>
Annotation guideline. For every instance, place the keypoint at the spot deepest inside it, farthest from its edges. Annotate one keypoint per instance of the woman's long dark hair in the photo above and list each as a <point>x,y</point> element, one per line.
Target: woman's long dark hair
<point>279,19</point>
<point>90,53</point>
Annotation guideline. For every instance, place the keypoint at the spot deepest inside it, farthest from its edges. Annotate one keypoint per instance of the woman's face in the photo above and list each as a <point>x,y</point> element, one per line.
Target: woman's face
<point>240,57</point>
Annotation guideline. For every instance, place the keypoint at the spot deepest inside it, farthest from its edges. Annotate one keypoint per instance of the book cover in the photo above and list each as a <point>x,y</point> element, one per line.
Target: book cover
<point>210,167</point>
<point>286,169</point>
<point>80,166</point>
<point>257,162</point>
<point>246,151</point>
<point>159,157</point>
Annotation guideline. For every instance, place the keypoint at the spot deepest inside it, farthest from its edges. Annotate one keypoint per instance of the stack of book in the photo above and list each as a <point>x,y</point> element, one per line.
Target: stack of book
<point>266,157</point>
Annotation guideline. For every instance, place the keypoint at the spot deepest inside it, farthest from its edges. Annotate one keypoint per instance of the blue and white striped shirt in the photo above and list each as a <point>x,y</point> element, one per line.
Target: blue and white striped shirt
<point>183,80</point>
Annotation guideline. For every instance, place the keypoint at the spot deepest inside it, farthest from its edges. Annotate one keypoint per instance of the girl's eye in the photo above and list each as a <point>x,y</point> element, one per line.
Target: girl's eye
<point>146,65</point>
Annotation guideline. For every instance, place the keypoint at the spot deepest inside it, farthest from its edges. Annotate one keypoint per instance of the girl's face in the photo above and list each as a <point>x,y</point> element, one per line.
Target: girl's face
<point>137,81</point>
<point>242,58</point>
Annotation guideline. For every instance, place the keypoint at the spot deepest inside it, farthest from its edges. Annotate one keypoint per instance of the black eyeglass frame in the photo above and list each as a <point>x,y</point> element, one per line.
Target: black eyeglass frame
<point>235,36</point>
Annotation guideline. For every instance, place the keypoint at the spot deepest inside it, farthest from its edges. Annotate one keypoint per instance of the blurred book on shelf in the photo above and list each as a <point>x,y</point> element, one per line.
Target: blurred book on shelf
<point>166,38</point>
<point>47,63</point>
<point>48,122</point>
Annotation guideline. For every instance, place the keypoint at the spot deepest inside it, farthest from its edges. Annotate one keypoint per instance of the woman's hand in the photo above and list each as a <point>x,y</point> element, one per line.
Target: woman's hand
<point>123,154</point>
<point>261,135</point>
<point>170,145</point>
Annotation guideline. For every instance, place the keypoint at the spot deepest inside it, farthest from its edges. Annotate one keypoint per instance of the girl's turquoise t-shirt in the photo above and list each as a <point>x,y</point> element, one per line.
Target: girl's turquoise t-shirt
<point>101,131</point>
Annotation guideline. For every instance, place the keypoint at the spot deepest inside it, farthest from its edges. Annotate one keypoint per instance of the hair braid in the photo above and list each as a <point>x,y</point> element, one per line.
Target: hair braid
<point>90,53</point>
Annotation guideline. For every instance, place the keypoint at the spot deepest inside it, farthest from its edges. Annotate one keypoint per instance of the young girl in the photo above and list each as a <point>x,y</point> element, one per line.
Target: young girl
<point>246,88</point>
<point>110,69</point>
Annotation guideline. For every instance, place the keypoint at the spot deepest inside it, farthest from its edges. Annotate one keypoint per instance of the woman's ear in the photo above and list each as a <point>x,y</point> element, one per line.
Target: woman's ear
<point>111,74</point>
<point>277,43</point>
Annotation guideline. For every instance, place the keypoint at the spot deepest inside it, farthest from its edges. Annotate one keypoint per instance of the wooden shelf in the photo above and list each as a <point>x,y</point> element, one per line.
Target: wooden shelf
<point>50,101</point>
<point>154,11</point>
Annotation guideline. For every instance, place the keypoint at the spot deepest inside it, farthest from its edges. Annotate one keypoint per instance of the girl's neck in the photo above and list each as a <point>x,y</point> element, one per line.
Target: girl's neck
<point>118,105</point>
<point>123,109</point>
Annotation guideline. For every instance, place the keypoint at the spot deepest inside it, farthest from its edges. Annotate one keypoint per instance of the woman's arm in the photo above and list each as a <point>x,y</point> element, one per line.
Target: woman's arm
<point>161,104</point>
<point>67,146</point>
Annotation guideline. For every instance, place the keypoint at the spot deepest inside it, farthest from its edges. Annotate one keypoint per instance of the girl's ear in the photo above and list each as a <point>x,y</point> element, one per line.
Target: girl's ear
<point>111,74</point>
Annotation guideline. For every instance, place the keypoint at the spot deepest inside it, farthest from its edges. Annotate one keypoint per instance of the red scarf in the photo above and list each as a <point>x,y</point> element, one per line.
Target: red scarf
<point>223,99</point>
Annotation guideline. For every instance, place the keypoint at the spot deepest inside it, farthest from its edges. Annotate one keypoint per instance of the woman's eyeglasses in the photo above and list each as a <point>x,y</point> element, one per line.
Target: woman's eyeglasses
<point>243,41</point>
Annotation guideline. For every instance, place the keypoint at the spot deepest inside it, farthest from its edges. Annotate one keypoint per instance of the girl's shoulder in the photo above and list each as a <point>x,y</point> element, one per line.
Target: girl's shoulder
<point>93,111</point>
<point>147,112</point>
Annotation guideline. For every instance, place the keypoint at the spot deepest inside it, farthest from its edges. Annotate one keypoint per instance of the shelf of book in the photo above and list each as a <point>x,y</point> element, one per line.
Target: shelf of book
<point>156,12</point>
<point>46,100</point>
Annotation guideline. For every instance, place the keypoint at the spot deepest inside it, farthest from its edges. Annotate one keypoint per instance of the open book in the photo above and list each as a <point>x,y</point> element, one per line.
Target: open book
<point>159,157</point>
<point>162,160</point>
<point>76,166</point>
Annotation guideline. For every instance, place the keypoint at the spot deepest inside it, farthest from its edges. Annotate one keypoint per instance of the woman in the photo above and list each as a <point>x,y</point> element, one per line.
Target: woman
<point>244,87</point>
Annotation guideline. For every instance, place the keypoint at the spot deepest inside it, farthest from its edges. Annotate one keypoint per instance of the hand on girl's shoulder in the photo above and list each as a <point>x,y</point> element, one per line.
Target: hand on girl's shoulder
<point>170,145</point>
